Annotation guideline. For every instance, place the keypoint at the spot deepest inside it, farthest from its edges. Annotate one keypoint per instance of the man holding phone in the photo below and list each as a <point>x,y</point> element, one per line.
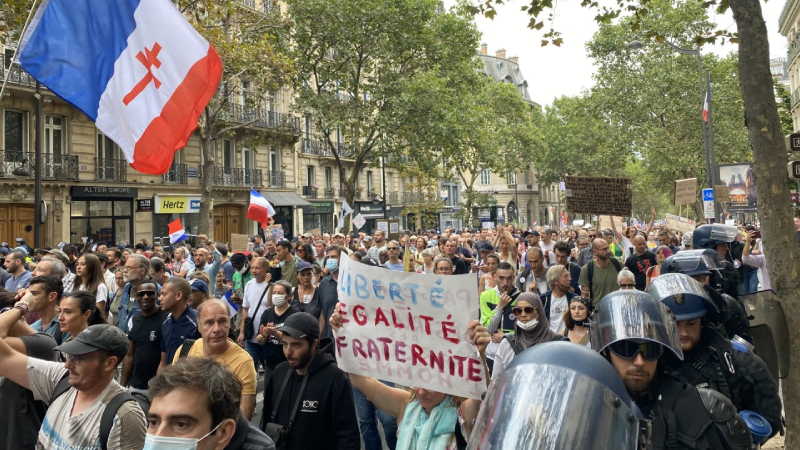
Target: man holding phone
<point>496,307</point>
<point>751,255</point>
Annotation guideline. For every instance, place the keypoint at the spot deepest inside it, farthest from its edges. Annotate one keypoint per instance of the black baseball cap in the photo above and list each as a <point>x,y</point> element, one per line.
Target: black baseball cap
<point>370,261</point>
<point>301,325</point>
<point>97,337</point>
<point>531,232</point>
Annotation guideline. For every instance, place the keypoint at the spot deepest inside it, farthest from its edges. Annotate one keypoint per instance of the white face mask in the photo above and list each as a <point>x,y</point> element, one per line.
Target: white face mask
<point>278,299</point>
<point>529,325</point>
<point>152,442</point>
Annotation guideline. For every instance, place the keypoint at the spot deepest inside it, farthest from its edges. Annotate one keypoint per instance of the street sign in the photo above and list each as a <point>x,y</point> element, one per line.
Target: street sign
<point>793,142</point>
<point>708,208</point>
<point>794,169</point>
<point>708,195</point>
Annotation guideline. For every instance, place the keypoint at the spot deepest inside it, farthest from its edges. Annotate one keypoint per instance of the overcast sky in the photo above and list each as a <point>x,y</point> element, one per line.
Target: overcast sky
<point>555,71</point>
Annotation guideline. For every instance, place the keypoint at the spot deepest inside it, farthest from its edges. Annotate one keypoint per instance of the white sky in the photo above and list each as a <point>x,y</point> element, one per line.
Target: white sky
<point>555,71</point>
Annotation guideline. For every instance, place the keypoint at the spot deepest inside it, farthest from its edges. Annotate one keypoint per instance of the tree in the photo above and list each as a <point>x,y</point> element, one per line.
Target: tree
<point>367,70</point>
<point>252,48</point>
<point>422,199</point>
<point>784,99</point>
<point>766,139</point>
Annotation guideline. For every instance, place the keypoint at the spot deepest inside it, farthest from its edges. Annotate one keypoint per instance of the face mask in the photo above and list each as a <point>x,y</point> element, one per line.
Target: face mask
<point>278,299</point>
<point>332,265</point>
<point>529,325</point>
<point>152,442</point>
<point>243,270</point>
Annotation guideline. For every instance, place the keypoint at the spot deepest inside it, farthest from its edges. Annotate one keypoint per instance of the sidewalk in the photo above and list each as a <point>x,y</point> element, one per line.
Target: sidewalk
<point>775,443</point>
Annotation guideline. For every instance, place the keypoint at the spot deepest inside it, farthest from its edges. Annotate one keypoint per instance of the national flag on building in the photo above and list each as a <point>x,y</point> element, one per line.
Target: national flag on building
<point>260,209</point>
<point>707,101</point>
<point>176,231</point>
<point>136,68</point>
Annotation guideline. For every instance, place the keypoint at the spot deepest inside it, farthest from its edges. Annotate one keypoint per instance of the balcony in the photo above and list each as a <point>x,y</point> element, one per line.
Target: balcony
<point>259,117</point>
<point>277,179</point>
<point>54,167</point>
<point>309,191</point>
<point>231,176</point>
<point>330,193</point>
<point>110,169</point>
<point>17,75</point>
<point>271,7</point>
<point>795,97</point>
<point>315,147</point>
<point>415,197</point>
<point>176,174</point>
<point>392,198</point>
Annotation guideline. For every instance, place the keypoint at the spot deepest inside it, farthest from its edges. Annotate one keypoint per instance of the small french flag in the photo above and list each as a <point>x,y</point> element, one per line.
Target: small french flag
<point>176,231</point>
<point>136,68</point>
<point>259,210</point>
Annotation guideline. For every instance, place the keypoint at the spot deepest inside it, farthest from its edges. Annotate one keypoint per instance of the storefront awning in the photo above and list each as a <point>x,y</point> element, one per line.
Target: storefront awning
<point>284,198</point>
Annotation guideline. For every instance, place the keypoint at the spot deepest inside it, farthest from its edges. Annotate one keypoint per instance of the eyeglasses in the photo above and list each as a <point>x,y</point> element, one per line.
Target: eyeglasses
<point>518,310</point>
<point>147,293</point>
<point>393,248</point>
<point>78,359</point>
<point>592,235</point>
<point>629,349</point>
<point>627,285</point>
<point>127,268</point>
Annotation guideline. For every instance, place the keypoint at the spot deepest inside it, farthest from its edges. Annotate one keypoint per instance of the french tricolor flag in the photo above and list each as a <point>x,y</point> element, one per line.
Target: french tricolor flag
<point>137,68</point>
<point>260,209</point>
<point>176,231</point>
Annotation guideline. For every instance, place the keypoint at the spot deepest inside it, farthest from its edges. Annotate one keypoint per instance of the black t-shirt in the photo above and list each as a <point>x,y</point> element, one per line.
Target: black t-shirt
<point>146,337</point>
<point>313,307</point>
<point>20,412</point>
<point>639,265</point>
<point>274,348</point>
<point>459,266</point>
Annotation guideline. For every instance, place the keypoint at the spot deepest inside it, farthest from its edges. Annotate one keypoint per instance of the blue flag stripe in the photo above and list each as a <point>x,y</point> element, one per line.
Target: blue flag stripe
<point>74,45</point>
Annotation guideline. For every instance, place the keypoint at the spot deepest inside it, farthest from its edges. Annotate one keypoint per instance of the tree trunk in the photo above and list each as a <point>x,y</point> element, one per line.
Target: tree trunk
<point>774,209</point>
<point>206,225</point>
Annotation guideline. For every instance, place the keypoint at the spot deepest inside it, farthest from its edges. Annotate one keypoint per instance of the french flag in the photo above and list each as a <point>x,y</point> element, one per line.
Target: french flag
<point>137,68</point>
<point>707,101</point>
<point>259,210</point>
<point>176,231</point>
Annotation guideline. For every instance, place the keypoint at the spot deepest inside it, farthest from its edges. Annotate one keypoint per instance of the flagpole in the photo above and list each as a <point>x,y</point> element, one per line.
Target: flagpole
<point>16,49</point>
<point>712,158</point>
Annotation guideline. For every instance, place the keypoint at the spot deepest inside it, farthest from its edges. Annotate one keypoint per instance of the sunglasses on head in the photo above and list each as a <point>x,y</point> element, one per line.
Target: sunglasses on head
<point>518,310</point>
<point>629,349</point>
<point>148,293</point>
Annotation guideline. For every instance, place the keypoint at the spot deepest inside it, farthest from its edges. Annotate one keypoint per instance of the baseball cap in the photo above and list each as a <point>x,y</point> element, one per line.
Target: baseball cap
<point>308,235</point>
<point>303,265</point>
<point>367,239</point>
<point>370,261</point>
<point>531,232</point>
<point>301,325</point>
<point>199,285</point>
<point>338,235</point>
<point>97,337</point>
<point>59,255</point>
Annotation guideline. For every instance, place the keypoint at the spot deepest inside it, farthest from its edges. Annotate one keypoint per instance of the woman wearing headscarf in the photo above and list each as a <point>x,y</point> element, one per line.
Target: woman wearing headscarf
<point>530,328</point>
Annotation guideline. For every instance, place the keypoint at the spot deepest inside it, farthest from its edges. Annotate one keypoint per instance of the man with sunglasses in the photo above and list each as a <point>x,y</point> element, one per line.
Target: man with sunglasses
<point>710,359</point>
<point>144,347</point>
<point>394,262</point>
<point>638,335</point>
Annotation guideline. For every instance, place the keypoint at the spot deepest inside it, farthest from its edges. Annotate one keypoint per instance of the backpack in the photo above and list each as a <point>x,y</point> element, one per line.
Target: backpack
<point>186,347</point>
<point>590,274</point>
<point>107,419</point>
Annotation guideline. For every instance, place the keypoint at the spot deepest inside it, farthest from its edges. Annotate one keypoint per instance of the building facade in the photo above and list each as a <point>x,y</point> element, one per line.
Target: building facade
<point>789,26</point>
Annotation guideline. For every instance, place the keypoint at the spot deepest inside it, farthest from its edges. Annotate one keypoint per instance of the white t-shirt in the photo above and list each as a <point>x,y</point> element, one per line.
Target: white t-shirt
<point>557,307</point>
<point>102,293</point>
<point>626,247</point>
<point>111,283</point>
<point>548,252</point>
<point>253,291</point>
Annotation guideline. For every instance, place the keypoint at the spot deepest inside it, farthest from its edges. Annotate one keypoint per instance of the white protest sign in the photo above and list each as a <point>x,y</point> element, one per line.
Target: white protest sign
<point>677,223</point>
<point>409,328</point>
<point>359,221</point>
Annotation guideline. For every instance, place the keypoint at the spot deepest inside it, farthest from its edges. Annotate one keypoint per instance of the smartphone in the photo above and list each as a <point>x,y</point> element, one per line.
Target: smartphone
<point>757,235</point>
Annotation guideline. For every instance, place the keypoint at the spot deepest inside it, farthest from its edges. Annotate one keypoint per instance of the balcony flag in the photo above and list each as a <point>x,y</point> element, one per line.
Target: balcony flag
<point>137,68</point>
<point>260,209</point>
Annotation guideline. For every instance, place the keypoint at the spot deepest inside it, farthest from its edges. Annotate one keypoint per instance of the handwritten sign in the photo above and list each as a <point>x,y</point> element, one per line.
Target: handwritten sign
<point>409,328</point>
<point>685,191</point>
<point>276,231</point>
<point>239,242</point>
<point>604,222</point>
<point>677,223</point>
<point>599,195</point>
<point>359,221</point>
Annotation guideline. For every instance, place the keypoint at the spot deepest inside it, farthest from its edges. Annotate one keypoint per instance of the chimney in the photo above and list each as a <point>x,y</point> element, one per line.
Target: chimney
<point>514,59</point>
<point>501,53</point>
<point>484,49</point>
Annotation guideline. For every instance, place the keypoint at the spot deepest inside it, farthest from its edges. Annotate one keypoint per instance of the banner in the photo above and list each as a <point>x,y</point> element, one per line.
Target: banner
<point>276,231</point>
<point>685,191</point>
<point>409,328</point>
<point>599,195</point>
<point>677,223</point>
<point>239,242</point>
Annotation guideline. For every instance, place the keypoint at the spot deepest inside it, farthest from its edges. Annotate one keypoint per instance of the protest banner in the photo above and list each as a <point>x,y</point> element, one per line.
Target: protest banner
<point>359,221</point>
<point>276,231</point>
<point>685,191</point>
<point>682,224</point>
<point>239,242</point>
<point>604,222</point>
<point>599,195</point>
<point>409,328</point>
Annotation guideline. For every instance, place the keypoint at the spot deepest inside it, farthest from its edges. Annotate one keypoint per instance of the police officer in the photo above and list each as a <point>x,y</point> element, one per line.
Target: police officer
<point>577,402</point>
<point>637,335</point>
<point>719,238</point>
<point>711,360</point>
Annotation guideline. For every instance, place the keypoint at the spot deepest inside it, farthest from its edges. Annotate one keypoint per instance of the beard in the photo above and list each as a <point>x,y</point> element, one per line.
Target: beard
<point>302,360</point>
<point>637,381</point>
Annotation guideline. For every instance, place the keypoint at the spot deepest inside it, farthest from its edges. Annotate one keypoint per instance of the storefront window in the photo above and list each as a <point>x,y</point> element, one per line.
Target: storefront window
<point>100,208</point>
<point>108,222</point>
<point>191,223</point>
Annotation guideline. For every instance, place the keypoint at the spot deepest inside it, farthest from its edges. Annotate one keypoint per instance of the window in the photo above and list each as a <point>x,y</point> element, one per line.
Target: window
<point>228,155</point>
<point>248,159</point>
<point>15,132</point>
<point>274,159</point>
<point>308,126</point>
<point>310,179</point>
<point>486,176</point>
<point>370,181</point>
<point>54,135</point>
<point>328,178</point>
<point>245,92</point>
<point>389,182</point>
<point>511,177</point>
<point>107,149</point>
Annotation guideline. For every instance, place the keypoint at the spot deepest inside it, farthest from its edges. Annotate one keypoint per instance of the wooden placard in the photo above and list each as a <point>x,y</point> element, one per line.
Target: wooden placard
<point>685,191</point>
<point>604,222</point>
<point>721,193</point>
<point>239,242</point>
<point>608,196</point>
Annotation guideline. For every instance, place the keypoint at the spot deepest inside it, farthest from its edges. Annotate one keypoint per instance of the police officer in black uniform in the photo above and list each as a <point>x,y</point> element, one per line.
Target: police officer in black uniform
<point>638,335</point>
<point>726,279</point>
<point>711,360</point>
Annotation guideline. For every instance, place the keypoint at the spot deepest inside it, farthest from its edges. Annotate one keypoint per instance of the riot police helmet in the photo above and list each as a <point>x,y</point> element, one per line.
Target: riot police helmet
<point>711,235</point>
<point>683,295</point>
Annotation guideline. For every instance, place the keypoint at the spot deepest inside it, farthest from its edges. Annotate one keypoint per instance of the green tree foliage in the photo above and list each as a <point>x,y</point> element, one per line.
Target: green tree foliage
<point>784,99</point>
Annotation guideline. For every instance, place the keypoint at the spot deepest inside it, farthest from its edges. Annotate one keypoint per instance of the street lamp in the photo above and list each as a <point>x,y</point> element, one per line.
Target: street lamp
<point>708,130</point>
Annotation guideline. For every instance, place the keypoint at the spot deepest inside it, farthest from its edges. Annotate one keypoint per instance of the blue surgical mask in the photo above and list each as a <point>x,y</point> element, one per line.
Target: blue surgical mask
<point>332,265</point>
<point>152,442</point>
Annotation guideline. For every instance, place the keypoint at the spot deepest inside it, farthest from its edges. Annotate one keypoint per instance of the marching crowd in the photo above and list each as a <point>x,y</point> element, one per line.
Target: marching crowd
<point>151,346</point>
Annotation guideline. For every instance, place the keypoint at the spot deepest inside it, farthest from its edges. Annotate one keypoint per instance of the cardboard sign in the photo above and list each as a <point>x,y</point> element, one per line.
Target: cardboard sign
<point>314,231</point>
<point>682,224</point>
<point>685,191</point>
<point>599,195</point>
<point>239,242</point>
<point>409,328</point>
<point>604,222</point>
<point>276,231</point>
<point>721,191</point>
<point>359,221</point>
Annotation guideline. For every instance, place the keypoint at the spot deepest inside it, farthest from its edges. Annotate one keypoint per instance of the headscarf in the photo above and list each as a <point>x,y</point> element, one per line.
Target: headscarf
<point>541,332</point>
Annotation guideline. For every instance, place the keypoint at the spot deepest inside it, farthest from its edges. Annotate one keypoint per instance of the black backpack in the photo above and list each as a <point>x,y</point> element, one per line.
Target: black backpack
<point>107,419</point>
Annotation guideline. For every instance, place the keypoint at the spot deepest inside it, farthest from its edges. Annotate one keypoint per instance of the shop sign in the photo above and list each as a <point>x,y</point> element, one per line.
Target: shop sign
<point>318,207</point>
<point>144,205</point>
<point>176,204</point>
<point>103,192</point>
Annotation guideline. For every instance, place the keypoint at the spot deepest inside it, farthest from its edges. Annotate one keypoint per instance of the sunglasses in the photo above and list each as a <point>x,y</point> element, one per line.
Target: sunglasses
<point>147,293</point>
<point>518,311</point>
<point>592,235</point>
<point>393,248</point>
<point>627,285</point>
<point>629,349</point>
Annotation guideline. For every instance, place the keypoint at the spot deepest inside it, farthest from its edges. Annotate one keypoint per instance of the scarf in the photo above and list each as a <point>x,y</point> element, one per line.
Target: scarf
<point>541,332</point>
<point>418,431</point>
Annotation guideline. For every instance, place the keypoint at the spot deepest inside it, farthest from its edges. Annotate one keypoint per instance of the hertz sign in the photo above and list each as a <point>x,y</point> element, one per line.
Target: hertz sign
<point>169,204</point>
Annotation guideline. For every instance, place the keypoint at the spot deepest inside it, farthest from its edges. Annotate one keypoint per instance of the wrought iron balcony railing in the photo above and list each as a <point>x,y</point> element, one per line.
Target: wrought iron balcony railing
<point>309,191</point>
<point>259,117</point>
<point>177,174</point>
<point>110,169</point>
<point>277,179</point>
<point>16,75</point>
<point>330,193</point>
<point>54,167</point>
<point>231,176</point>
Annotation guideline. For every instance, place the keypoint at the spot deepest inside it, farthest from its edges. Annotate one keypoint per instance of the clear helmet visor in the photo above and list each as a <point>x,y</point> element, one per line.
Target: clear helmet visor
<point>690,260</point>
<point>557,409</point>
<point>724,233</point>
<point>634,315</point>
<point>671,284</point>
